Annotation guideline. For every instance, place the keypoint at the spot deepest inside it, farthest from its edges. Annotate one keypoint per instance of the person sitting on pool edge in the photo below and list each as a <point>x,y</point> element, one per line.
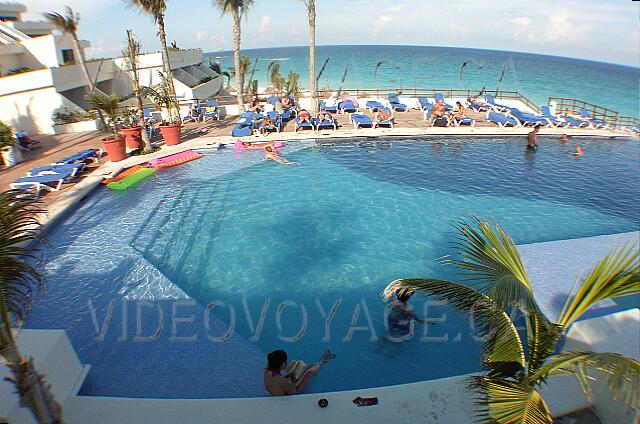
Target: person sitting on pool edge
<point>271,154</point>
<point>278,385</point>
<point>532,139</point>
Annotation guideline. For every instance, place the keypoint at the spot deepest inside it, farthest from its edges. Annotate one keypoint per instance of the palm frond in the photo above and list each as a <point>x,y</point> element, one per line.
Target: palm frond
<point>153,8</point>
<point>622,373</point>
<point>616,275</point>
<point>67,23</point>
<point>503,347</point>
<point>507,402</point>
<point>228,6</point>
<point>542,337</point>
<point>18,277</point>
<point>489,261</point>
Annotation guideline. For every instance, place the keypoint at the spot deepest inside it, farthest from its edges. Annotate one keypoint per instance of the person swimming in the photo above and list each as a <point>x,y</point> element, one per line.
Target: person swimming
<point>532,139</point>
<point>564,138</point>
<point>401,316</point>
<point>579,151</point>
<point>271,154</point>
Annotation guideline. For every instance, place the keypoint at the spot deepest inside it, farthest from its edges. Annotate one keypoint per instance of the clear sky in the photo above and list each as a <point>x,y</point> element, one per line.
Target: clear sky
<point>604,30</point>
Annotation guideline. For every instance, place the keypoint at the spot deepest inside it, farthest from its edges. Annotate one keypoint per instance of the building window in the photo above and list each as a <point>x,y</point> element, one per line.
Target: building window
<point>67,55</point>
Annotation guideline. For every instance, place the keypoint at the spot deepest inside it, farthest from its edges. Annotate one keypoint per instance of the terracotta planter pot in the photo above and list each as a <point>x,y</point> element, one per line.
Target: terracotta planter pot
<point>171,134</point>
<point>133,136</point>
<point>115,148</point>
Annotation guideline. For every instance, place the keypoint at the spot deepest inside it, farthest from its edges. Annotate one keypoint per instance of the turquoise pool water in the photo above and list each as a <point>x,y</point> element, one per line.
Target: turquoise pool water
<point>178,287</point>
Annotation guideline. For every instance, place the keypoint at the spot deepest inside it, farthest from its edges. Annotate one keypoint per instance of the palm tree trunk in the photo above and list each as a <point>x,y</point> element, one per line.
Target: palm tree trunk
<point>85,71</point>
<point>145,136</point>
<point>236,60</point>
<point>166,66</point>
<point>34,392</point>
<point>311,5</point>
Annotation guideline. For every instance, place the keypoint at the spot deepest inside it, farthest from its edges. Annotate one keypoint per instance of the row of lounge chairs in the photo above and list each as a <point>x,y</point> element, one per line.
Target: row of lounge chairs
<point>51,177</point>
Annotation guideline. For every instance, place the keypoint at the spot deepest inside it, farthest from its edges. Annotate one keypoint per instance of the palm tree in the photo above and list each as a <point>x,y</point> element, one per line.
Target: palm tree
<point>275,77</point>
<point>131,56</point>
<point>18,280</point>
<point>156,9</point>
<point>245,64</point>
<point>215,67</point>
<point>68,24</point>
<point>237,9</point>
<point>313,86</point>
<point>495,282</point>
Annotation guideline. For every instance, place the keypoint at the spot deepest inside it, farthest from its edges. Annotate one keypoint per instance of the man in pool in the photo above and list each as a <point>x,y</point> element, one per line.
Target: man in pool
<point>271,154</point>
<point>532,139</point>
<point>278,385</point>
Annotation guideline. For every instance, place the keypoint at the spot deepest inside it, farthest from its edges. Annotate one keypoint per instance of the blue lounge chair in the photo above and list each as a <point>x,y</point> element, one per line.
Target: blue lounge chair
<point>527,119</point>
<point>501,120</point>
<point>440,96</point>
<point>326,123</point>
<point>491,102</point>
<point>242,129</point>
<point>561,120</point>
<point>49,182</point>
<point>300,124</point>
<point>374,105</point>
<point>395,104</point>
<point>556,122</point>
<point>330,109</point>
<point>73,169</point>
<point>347,106</point>
<point>360,120</point>
<point>424,103</point>
<point>464,120</point>
<point>594,123</point>
<point>211,111</point>
<point>89,154</point>
<point>276,119</point>
<point>478,107</point>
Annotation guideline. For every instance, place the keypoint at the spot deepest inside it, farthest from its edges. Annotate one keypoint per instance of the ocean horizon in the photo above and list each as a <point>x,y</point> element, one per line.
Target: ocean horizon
<point>405,67</point>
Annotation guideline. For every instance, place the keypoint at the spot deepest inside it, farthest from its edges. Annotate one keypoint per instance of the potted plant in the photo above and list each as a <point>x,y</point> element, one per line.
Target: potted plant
<point>10,153</point>
<point>161,95</point>
<point>114,144</point>
<point>130,129</point>
<point>131,54</point>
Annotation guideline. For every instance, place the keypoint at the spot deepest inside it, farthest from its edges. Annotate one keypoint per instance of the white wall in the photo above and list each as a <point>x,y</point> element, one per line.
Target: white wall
<point>42,52</point>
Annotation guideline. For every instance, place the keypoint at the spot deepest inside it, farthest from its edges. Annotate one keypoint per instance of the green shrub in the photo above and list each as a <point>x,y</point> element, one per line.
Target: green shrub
<point>6,135</point>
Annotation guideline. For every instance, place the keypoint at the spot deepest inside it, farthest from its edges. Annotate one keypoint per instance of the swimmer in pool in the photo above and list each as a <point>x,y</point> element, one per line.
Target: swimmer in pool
<point>532,139</point>
<point>578,151</point>
<point>271,154</point>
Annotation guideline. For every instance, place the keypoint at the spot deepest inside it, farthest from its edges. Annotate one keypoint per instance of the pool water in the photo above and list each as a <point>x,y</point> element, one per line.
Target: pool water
<point>178,287</point>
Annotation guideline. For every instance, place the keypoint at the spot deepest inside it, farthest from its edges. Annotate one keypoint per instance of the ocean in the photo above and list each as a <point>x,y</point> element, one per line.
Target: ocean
<point>537,77</point>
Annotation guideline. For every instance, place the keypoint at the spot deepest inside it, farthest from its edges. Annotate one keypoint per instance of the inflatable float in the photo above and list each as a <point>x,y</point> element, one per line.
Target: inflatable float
<point>124,173</point>
<point>132,179</point>
<point>173,160</point>
<point>261,146</point>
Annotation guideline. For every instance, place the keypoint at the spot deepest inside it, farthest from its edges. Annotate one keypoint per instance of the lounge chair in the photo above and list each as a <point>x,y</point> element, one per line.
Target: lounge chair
<point>424,103</point>
<point>491,102</point>
<point>594,123</point>
<point>328,107</point>
<point>440,96</point>
<point>276,119</point>
<point>395,104</point>
<point>374,105</point>
<point>89,154</point>
<point>501,120</point>
<point>300,124</point>
<point>360,120</point>
<point>326,123</point>
<point>463,120</point>
<point>211,111</point>
<point>347,106</point>
<point>561,120</point>
<point>527,119</point>
<point>49,182</point>
<point>242,129</point>
<point>73,169</point>
<point>385,123</point>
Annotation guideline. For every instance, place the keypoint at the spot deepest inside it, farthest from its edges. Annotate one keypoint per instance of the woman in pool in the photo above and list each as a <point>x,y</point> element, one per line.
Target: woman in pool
<point>271,154</point>
<point>401,315</point>
<point>278,385</point>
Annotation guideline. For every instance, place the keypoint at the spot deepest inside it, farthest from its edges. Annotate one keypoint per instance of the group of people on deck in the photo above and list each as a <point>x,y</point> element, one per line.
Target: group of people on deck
<point>440,112</point>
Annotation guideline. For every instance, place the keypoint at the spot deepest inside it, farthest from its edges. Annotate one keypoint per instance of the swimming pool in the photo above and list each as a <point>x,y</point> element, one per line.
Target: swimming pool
<point>178,287</point>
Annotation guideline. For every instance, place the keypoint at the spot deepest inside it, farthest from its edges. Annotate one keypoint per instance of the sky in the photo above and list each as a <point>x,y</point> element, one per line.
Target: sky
<point>602,30</point>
